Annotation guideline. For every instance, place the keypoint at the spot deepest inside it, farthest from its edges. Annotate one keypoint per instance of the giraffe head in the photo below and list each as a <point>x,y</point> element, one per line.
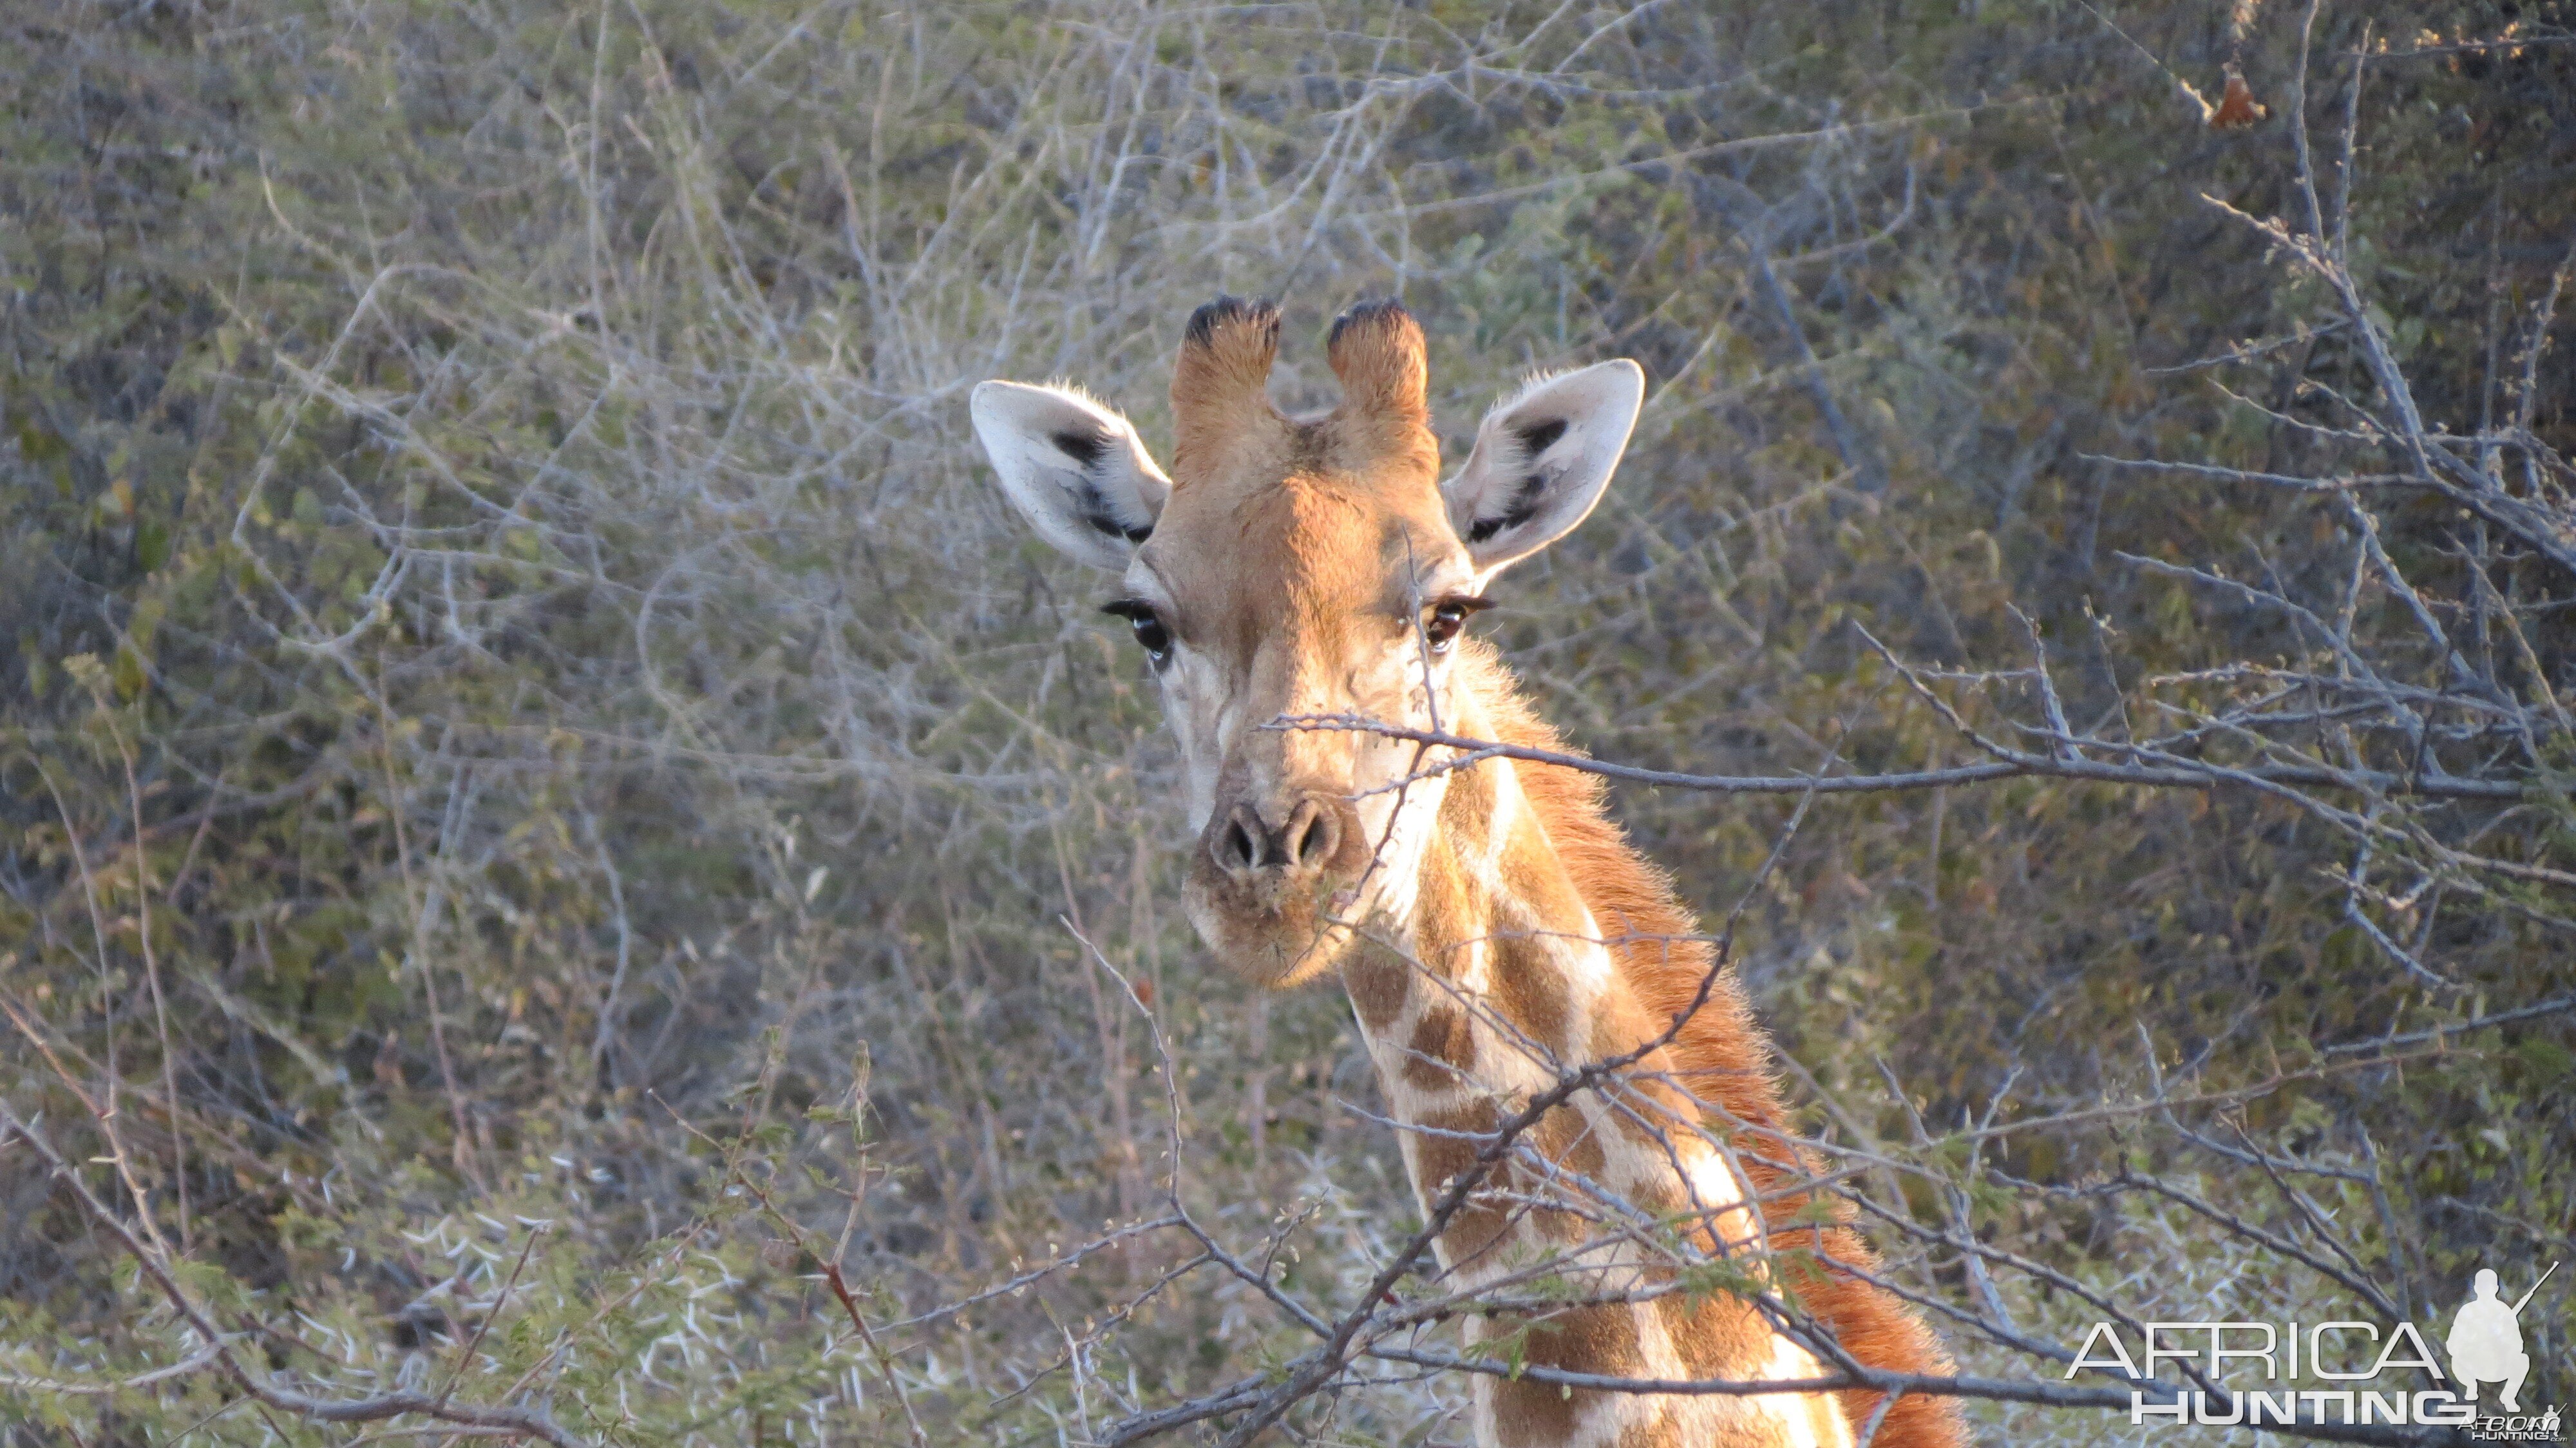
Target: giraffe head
<point>1299,566</point>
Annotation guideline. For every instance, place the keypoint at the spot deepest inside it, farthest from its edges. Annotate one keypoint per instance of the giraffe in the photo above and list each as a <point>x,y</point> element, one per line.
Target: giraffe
<point>1490,924</point>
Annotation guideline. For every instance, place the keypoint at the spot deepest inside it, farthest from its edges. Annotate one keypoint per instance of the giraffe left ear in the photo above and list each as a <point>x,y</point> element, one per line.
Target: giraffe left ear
<point>1541,461</point>
<point>1075,469</point>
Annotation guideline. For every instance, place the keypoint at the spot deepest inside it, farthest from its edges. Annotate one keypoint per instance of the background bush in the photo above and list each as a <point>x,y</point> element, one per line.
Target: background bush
<point>535,764</point>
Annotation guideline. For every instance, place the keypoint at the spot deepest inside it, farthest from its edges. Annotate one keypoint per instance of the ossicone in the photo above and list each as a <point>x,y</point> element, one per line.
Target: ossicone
<point>1221,382</point>
<point>1376,350</point>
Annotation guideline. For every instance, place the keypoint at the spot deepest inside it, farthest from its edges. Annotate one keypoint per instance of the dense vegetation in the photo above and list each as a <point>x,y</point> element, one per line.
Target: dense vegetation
<point>549,819</point>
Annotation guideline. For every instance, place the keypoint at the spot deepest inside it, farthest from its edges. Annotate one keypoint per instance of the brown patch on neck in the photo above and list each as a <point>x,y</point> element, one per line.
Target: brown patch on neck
<point>1587,1339</point>
<point>1443,1049</point>
<point>1378,980</point>
<point>1529,989</point>
<point>1448,1146</point>
<point>1448,905</point>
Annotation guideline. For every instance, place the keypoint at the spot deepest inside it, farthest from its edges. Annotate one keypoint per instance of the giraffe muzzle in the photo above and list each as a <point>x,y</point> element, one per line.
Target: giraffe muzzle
<point>1261,887</point>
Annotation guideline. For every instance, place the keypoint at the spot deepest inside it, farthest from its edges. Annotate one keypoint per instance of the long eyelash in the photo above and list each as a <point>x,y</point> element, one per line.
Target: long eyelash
<point>1128,608</point>
<point>1467,602</point>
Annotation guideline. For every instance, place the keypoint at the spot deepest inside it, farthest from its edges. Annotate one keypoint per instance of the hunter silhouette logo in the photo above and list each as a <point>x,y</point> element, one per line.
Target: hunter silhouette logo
<point>2486,1341</point>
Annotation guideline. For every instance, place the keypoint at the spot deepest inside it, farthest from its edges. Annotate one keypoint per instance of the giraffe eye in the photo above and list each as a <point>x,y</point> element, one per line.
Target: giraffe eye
<point>1442,622</point>
<point>1150,632</point>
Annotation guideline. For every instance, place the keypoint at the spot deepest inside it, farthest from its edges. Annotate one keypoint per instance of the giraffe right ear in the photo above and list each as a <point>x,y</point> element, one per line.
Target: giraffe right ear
<point>1541,461</point>
<point>1075,469</point>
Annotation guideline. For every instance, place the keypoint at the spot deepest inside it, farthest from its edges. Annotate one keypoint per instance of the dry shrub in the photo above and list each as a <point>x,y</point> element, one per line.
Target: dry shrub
<point>522,708</point>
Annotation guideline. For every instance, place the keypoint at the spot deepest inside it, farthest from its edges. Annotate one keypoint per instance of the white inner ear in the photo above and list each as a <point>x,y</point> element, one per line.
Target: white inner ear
<point>1075,469</point>
<point>1541,461</point>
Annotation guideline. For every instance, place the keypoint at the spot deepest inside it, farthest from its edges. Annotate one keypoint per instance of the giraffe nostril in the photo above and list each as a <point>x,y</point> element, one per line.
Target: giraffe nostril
<point>1310,836</point>
<point>1238,845</point>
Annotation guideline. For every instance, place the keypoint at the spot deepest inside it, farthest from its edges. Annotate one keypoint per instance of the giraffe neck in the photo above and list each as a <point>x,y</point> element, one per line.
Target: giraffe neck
<point>1496,979</point>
